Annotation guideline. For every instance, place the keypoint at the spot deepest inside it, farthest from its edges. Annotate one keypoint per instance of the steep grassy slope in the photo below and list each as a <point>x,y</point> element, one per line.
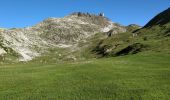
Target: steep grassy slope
<point>154,40</point>
<point>160,19</point>
<point>153,37</point>
<point>144,76</point>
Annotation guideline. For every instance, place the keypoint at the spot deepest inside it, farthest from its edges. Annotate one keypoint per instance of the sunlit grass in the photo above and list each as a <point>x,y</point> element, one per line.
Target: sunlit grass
<point>143,76</point>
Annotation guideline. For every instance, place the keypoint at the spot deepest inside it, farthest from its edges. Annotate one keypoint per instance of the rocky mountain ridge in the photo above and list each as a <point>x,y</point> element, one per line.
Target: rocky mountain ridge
<point>28,43</point>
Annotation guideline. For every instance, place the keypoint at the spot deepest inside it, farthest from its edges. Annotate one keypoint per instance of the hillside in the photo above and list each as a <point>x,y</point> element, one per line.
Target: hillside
<point>160,19</point>
<point>27,43</point>
<point>153,37</point>
<point>81,36</point>
<point>84,56</point>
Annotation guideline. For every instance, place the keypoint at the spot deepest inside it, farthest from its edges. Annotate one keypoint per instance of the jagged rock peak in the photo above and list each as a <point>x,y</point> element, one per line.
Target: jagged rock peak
<point>82,14</point>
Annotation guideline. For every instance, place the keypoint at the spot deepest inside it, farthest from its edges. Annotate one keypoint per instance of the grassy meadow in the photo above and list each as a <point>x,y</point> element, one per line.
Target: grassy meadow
<point>143,76</point>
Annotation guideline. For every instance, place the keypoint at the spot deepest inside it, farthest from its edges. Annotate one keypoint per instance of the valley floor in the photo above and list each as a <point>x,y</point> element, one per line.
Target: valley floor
<point>143,76</point>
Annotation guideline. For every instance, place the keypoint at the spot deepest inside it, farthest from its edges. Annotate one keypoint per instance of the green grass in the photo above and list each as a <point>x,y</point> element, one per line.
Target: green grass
<point>52,76</point>
<point>155,39</point>
<point>144,76</point>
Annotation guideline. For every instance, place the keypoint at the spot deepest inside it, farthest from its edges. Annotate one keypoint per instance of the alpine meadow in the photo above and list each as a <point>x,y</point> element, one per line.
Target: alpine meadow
<point>86,56</point>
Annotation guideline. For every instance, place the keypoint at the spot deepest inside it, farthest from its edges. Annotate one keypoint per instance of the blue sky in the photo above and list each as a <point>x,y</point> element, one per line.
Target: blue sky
<point>22,13</point>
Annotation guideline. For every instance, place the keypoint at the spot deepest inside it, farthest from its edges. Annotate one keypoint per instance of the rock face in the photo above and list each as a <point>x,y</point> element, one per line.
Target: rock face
<point>160,19</point>
<point>66,32</point>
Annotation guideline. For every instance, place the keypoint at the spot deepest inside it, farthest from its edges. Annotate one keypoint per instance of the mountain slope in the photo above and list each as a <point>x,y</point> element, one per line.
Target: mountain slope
<point>66,32</point>
<point>83,35</point>
<point>158,26</point>
<point>154,37</point>
<point>160,19</point>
